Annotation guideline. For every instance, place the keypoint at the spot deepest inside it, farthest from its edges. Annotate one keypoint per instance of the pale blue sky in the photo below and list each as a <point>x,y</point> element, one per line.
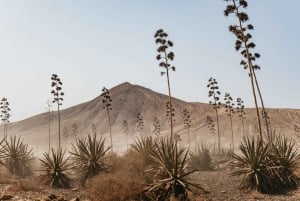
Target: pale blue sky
<point>91,44</point>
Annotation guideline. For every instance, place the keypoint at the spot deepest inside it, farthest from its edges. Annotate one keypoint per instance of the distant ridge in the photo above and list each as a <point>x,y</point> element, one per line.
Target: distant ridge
<point>128,100</point>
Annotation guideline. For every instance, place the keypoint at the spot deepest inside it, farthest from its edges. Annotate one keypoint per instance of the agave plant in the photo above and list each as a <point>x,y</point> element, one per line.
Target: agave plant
<point>54,168</point>
<point>88,157</point>
<point>284,154</point>
<point>16,156</point>
<point>170,175</point>
<point>143,145</point>
<point>254,165</point>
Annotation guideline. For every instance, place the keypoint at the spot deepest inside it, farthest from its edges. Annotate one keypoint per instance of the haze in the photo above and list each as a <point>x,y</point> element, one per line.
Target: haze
<point>91,44</point>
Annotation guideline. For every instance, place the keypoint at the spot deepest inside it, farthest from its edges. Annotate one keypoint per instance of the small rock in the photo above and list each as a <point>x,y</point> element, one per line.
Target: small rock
<point>11,188</point>
<point>75,199</point>
<point>44,198</point>
<point>74,189</point>
<point>223,191</point>
<point>6,197</point>
<point>61,199</point>
<point>52,196</point>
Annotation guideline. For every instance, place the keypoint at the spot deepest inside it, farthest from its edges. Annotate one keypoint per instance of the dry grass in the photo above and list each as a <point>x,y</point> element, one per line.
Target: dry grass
<point>25,185</point>
<point>123,182</point>
<point>5,176</point>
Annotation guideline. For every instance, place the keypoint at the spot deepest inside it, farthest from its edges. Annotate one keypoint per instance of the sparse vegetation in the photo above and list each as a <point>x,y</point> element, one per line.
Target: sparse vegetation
<point>54,169</point>
<point>215,93</point>
<point>156,167</point>
<point>88,156</point>
<point>108,107</point>
<point>57,98</point>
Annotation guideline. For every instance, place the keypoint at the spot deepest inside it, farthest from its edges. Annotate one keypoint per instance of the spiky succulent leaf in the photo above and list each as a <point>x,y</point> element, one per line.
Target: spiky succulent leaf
<point>54,169</point>
<point>88,156</point>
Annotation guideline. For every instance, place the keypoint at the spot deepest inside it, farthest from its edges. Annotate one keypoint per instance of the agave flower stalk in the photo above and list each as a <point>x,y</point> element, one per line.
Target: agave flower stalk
<point>229,105</point>
<point>165,57</point>
<point>5,115</point>
<point>244,45</point>
<point>186,116</point>
<point>215,93</point>
<point>57,98</point>
<point>240,109</point>
<point>108,107</point>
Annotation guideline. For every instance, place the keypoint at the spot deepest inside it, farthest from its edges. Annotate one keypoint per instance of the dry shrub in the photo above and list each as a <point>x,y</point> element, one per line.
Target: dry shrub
<point>200,157</point>
<point>33,185</point>
<point>5,176</point>
<point>115,187</point>
<point>124,180</point>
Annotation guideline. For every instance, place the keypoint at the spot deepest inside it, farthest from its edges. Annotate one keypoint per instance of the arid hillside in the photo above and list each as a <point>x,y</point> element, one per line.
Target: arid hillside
<point>127,101</point>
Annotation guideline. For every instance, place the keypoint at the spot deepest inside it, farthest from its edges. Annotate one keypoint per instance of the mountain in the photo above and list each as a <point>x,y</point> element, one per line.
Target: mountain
<point>127,101</point>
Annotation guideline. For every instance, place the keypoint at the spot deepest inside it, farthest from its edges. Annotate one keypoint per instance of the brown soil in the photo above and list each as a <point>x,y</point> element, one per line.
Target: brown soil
<point>220,186</point>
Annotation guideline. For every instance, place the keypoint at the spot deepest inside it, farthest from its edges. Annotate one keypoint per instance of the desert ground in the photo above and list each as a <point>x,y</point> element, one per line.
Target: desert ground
<point>218,185</point>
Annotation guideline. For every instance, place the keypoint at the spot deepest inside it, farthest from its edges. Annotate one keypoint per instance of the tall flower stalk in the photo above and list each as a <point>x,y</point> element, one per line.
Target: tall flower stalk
<point>5,115</point>
<point>214,93</point>
<point>229,105</point>
<point>49,124</point>
<point>240,109</point>
<point>57,98</point>
<point>107,106</point>
<point>164,56</point>
<point>244,45</point>
<point>186,116</point>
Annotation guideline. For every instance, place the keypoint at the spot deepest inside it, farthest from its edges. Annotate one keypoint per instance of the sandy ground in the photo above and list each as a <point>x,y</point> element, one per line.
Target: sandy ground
<point>221,186</point>
<point>218,183</point>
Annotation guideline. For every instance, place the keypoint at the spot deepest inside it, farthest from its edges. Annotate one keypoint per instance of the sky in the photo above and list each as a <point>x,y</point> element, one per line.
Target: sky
<point>96,43</point>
